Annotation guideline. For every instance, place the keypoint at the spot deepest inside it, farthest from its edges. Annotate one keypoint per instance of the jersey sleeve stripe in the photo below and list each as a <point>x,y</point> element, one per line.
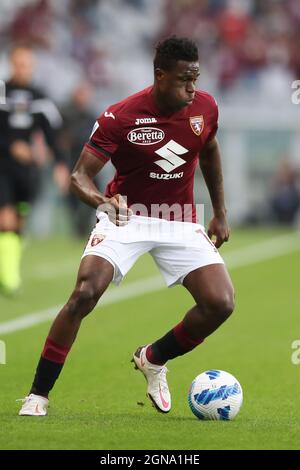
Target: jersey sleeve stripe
<point>100,149</point>
<point>97,151</point>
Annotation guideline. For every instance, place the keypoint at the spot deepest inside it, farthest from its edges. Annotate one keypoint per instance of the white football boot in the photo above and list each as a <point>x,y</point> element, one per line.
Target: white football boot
<point>157,390</point>
<point>34,405</point>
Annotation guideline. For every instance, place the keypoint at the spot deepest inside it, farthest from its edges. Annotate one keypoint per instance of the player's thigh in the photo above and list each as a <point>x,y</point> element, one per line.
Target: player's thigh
<point>94,275</point>
<point>93,278</point>
<point>210,285</point>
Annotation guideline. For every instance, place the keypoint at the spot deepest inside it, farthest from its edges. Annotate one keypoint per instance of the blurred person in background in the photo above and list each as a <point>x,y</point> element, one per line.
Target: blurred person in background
<point>26,112</point>
<point>78,122</point>
<point>285,197</point>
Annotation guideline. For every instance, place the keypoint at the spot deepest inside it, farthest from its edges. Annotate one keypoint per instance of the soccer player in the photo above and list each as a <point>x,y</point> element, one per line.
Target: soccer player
<point>26,111</point>
<point>155,139</point>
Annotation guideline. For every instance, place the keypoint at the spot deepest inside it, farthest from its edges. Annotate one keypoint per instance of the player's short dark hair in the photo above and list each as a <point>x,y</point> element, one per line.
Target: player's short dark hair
<point>173,49</point>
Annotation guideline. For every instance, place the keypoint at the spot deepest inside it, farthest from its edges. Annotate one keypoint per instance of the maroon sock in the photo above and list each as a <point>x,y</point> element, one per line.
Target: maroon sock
<point>151,356</point>
<point>184,339</point>
<point>49,367</point>
<point>55,352</point>
<point>175,343</point>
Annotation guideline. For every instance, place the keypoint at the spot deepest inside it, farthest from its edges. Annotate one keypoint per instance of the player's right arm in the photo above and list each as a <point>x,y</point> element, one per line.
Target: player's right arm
<point>82,184</point>
<point>103,142</point>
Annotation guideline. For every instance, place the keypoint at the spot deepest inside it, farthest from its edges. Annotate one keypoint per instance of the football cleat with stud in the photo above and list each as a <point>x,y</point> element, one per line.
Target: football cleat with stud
<point>155,375</point>
<point>34,405</point>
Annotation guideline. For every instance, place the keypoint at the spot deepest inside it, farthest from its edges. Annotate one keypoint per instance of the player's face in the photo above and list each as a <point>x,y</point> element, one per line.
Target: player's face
<point>22,63</point>
<point>177,86</point>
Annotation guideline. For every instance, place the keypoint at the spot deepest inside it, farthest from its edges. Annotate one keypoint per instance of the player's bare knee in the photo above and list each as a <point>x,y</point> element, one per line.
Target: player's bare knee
<point>220,306</point>
<point>224,306</point>
<point>228,307</point>
<point>84,298</point>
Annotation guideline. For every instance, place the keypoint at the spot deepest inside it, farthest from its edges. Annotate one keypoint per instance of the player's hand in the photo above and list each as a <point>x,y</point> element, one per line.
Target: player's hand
<point>218,228</point>
<point>117,210</point>
<point>21,151</point>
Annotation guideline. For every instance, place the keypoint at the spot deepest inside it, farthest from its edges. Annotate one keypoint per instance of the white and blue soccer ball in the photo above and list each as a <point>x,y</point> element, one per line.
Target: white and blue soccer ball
<point>215,395</point>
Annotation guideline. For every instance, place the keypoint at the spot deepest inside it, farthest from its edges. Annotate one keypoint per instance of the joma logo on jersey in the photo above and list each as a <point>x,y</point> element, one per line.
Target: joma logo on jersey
<point>146,120</point>
<point>146,136</point>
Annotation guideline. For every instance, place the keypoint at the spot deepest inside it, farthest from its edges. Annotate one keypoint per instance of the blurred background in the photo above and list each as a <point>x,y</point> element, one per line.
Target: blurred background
<point>92,53</point>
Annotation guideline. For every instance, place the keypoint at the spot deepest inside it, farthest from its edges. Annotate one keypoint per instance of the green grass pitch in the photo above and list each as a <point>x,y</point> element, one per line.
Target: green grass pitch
<point>99,401</point>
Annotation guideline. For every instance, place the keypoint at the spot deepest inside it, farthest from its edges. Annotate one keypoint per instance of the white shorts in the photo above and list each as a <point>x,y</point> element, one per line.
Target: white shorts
<point>176,247</point>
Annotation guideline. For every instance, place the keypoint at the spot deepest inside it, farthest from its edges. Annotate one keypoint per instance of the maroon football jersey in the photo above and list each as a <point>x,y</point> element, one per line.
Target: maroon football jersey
<point>155,156</point>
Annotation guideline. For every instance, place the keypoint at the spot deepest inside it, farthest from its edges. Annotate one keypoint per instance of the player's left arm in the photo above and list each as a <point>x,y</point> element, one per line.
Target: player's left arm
<point>211,167</point>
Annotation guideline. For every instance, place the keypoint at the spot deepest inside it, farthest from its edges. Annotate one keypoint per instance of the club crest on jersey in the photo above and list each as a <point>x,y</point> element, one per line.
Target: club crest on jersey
<point>97,239</point>
<point>197,124</point>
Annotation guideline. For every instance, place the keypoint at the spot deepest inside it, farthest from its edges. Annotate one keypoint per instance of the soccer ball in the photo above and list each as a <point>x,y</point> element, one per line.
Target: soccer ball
<point>215,395</point>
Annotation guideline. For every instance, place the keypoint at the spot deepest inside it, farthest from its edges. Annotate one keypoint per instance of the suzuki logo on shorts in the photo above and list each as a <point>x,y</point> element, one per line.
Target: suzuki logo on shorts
<point>170,154</point>
<point>146,136</point>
